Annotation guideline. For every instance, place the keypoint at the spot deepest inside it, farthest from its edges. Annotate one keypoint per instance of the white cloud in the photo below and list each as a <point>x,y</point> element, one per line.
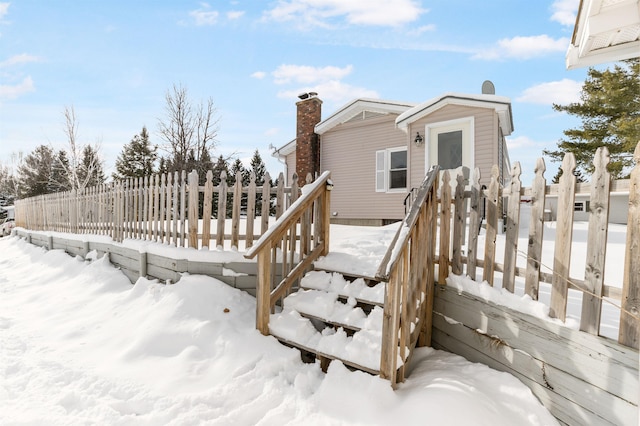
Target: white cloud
<point>564,11</point>
<point>332,90</point>
<point>273,131</point>
<point>23,58</point>
<point>520,142</point>
<point>235,14</point>
<point>561,92</point>
<point>204,16</point>
<point>12,92</point>
<point>524,47</point>
<point>423,29</point>
<point>308,75</point>
<point>306,13</point>
<point>259,75</point>
<point>4,9</point>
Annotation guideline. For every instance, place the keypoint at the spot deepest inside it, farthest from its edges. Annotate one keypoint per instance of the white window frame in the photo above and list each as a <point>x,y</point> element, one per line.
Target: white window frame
<point>383,161</point>
<point>466,125</point>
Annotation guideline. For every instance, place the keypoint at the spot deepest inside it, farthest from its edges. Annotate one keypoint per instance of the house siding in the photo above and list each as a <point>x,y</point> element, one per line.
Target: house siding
<point>290,161</point>
<point>485,139</point>
<point>349,152</point>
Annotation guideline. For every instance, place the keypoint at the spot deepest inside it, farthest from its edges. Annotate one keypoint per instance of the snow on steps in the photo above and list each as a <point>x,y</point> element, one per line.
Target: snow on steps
<point>350,312</point>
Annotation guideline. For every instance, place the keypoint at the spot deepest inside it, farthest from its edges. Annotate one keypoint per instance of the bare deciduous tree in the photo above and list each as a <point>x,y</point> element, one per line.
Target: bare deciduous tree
<point>82,166</point>
<point>189,130</point>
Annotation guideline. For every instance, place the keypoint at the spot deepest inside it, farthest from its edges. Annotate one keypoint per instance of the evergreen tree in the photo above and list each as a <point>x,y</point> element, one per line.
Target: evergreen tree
<point>90,171</point>
<point>35,171</point>
<point>220,166</point>
<point>610,112</point>
<point>137,158</point>
<point>59,180</point>
<point>258,167</point>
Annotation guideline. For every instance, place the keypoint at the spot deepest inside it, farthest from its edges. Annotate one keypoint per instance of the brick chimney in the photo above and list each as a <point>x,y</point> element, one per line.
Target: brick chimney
<point>309,111</point>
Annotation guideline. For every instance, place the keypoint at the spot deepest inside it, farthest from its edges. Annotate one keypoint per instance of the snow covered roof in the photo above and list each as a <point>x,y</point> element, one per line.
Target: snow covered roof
<point>359,106</point>
<point>501,104</point>
<point>605,31</point>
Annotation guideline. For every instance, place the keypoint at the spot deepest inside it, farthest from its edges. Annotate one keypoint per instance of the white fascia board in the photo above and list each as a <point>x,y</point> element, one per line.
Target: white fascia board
<point>501,104</point>
<point>356,107</point>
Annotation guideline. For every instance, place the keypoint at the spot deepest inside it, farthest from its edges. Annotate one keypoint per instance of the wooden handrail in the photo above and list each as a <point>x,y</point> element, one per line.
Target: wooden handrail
<point>295,250</point>
<point>408,269</point>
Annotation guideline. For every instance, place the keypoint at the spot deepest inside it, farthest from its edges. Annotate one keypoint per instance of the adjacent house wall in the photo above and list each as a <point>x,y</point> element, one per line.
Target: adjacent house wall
<point>349,152</point>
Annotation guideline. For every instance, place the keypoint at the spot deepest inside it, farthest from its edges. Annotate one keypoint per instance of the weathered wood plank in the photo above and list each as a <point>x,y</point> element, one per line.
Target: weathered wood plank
<point>596,244</point>
<point>492,225</point>
<point>629,322</point>
<point>536,231</point>
<point>445,228</point>
<point>564,232</point>
<point>206,209</point>
<point>235,212</point>
<point>537,376</point>
<point>222,209</point>
<point>513,225</point>
<point>600,361</point>
<point>251,210</point>
<point>459,222</point>
<point>474,224</point>
<point>193,209</point>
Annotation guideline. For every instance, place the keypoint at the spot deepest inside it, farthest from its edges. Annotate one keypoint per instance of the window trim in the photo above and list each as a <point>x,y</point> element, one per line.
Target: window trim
<point>466,125</point>
<point>382,176</point>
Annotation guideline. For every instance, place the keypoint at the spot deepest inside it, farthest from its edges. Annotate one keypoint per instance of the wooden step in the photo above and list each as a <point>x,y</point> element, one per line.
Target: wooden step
<point>364,292</point>
<point>330,309</point>
<point>355,344</point>
<point>325,358</point>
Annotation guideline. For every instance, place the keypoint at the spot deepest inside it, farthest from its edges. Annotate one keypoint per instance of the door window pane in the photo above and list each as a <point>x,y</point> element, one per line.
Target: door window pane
<point>450,149</point>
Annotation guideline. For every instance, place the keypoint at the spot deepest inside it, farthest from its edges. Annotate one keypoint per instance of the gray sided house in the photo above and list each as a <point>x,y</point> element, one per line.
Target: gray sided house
<point>378,151</point>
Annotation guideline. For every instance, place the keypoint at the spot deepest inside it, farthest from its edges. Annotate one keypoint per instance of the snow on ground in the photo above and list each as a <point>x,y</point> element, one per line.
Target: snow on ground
<point>80,345</point>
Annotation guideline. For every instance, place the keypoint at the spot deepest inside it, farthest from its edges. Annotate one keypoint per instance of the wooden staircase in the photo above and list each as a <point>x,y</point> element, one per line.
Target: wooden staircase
<point>369,323</point>
<point>333,317</point>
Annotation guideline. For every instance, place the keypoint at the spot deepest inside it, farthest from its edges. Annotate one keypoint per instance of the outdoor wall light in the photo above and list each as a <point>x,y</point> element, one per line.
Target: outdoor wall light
<point>418,140</point>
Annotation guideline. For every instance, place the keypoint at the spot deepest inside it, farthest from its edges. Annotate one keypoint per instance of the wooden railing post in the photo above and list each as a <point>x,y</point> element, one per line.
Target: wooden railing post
<point>263,292</point>
<point>445,228</point>
<point>629,324</point>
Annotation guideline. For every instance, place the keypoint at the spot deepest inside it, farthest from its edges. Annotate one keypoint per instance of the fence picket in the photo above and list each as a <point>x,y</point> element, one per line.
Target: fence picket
<point>458,225</point>
<point>206,209</point>
<point>251,210</point>
<point>183,207</point>
<point>492,226</point>
<point>222,209</point>
<point>596,244</point>
<point>474,224</point>
<point>536,229</point>
<point>564,232</point>
<point>445,227</point>
<point>193,209</point>
<point>513,225</point>
<point>266,203</point>
<point>630,326</point>
<point>235,212</point>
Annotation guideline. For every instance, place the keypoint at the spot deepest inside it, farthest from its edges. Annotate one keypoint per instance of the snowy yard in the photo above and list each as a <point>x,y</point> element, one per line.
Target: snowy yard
<point>80,345</point>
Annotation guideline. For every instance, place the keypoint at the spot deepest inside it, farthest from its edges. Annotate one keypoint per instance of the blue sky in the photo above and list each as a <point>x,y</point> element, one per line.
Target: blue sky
<point>114,61</point>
